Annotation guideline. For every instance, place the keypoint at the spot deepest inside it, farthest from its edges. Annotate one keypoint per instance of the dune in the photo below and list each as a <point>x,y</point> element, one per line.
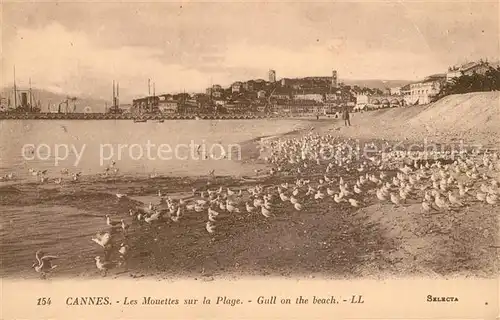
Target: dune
<point>472,117</point>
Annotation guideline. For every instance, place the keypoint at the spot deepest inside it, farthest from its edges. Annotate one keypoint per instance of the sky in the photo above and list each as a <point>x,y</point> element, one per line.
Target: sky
<point>80,48</point>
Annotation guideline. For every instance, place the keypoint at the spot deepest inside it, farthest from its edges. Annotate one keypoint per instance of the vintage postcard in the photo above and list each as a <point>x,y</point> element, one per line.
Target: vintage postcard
<point>249,160</point>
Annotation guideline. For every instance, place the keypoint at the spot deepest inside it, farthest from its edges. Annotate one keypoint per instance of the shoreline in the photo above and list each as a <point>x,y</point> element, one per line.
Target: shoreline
<point>151,117</point>
<point>375,241</point>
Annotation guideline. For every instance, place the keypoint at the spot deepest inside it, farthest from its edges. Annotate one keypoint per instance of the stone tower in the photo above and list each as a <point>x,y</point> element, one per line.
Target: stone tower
<point>334,79</point>
<point>272,76</point>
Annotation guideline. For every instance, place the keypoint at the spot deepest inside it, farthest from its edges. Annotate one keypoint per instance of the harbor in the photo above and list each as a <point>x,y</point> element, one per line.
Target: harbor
<point>128,116</point>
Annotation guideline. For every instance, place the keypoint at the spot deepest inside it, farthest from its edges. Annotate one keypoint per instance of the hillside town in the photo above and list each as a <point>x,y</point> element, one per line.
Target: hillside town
<point>313,95</point>
<point>318,95</point>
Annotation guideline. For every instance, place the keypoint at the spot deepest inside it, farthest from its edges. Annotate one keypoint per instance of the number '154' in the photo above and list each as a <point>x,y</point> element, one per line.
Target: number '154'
<point>43,301</point>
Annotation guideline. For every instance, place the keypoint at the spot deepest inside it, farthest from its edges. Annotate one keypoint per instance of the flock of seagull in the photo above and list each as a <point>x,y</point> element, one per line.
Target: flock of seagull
<point>42,177</point>
<point>321,168</point>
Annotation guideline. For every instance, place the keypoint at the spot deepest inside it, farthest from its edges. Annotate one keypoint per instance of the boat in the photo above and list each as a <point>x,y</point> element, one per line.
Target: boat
<point>160,120</point>
<point>140,117</point>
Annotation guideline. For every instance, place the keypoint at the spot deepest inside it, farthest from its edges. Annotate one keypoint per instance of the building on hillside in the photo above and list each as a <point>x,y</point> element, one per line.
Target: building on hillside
<point>281,94</point>
<point>320,78</point>
<point>406,94</point>
<point>189,106</point>
<point>325,82</point>
<point>237,106</point>
<point>317,94</point>
<point>272,76</point>
<point>236,87</point>
<point>318,97</point>
<point>147,104</point>
<point>217,94</point>
<point>249,85</point>
<point>331,97</point>
<point>213,89</point>
<point>362,101</point>
<point>479,67</point>
<point>396,91</point>
<point>259,84</point>
<point>453,73</point>
<point>331,107</point>
<point>220,103</point>
<point>422,92</point>
<point>261,94</point>
<point>168,106</point>
<point>298,106</point>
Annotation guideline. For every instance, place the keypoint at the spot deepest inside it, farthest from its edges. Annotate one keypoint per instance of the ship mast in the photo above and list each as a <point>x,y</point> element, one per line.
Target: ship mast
<point>148,106</point>
<point>31,97</point>
<point>15,89</point>
<point>211,89</point>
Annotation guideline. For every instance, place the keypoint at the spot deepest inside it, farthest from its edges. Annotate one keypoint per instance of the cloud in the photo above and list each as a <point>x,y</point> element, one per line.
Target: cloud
<point>56,58</point>
<point>351,60</point>
<point>191,47</point>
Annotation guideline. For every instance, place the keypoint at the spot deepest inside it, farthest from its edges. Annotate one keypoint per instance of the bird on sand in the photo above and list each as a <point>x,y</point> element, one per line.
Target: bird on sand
<point>102,239</point>
<point>123,251</point>
<point>44,263</point>
<point>112,223</point>
<point>210,226</point>
<point>426,206</point>
<point>354,202</point>
<point>102,266</point>
<point>265,212</point>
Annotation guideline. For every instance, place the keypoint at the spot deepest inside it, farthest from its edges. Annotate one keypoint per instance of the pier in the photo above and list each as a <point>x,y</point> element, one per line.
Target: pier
<point>126,116</point>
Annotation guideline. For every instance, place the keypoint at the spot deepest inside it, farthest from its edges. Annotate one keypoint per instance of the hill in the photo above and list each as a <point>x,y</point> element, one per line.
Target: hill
<point>472,117</point>
<point>48,98</point>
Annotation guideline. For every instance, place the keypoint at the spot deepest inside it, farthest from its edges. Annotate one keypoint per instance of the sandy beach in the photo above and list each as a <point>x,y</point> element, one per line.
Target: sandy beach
<point>325,239</point>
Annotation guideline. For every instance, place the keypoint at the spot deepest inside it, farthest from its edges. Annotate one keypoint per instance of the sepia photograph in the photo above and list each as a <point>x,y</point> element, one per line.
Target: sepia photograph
<point>342,141</point>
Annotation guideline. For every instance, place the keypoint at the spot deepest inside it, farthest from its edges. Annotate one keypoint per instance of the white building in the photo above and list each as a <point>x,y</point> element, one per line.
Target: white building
<point>220,103</point>
<point>422,92</point>
<point>469,68</point>
<point>309,96</point>
<point>453,73</point>
<point>395,91</point>
<point>168,106</point>
<point>331,97</point>
<point>361,101</point>
<point>236,87</point>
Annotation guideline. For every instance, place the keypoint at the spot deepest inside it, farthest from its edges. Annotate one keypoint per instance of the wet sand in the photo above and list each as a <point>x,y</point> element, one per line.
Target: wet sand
<point>325,240</point>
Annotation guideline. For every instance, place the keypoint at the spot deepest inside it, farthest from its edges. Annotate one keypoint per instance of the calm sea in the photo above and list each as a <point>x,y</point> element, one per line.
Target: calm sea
<point>190,147</point>
<point>64,224</point>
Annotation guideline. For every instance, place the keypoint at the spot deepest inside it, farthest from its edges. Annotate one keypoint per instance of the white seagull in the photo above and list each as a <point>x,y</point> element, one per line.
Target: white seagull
<point>44,263</point>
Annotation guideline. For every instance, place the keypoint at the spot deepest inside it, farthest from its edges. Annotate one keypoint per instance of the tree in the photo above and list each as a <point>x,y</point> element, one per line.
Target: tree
<point>475,82</point>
